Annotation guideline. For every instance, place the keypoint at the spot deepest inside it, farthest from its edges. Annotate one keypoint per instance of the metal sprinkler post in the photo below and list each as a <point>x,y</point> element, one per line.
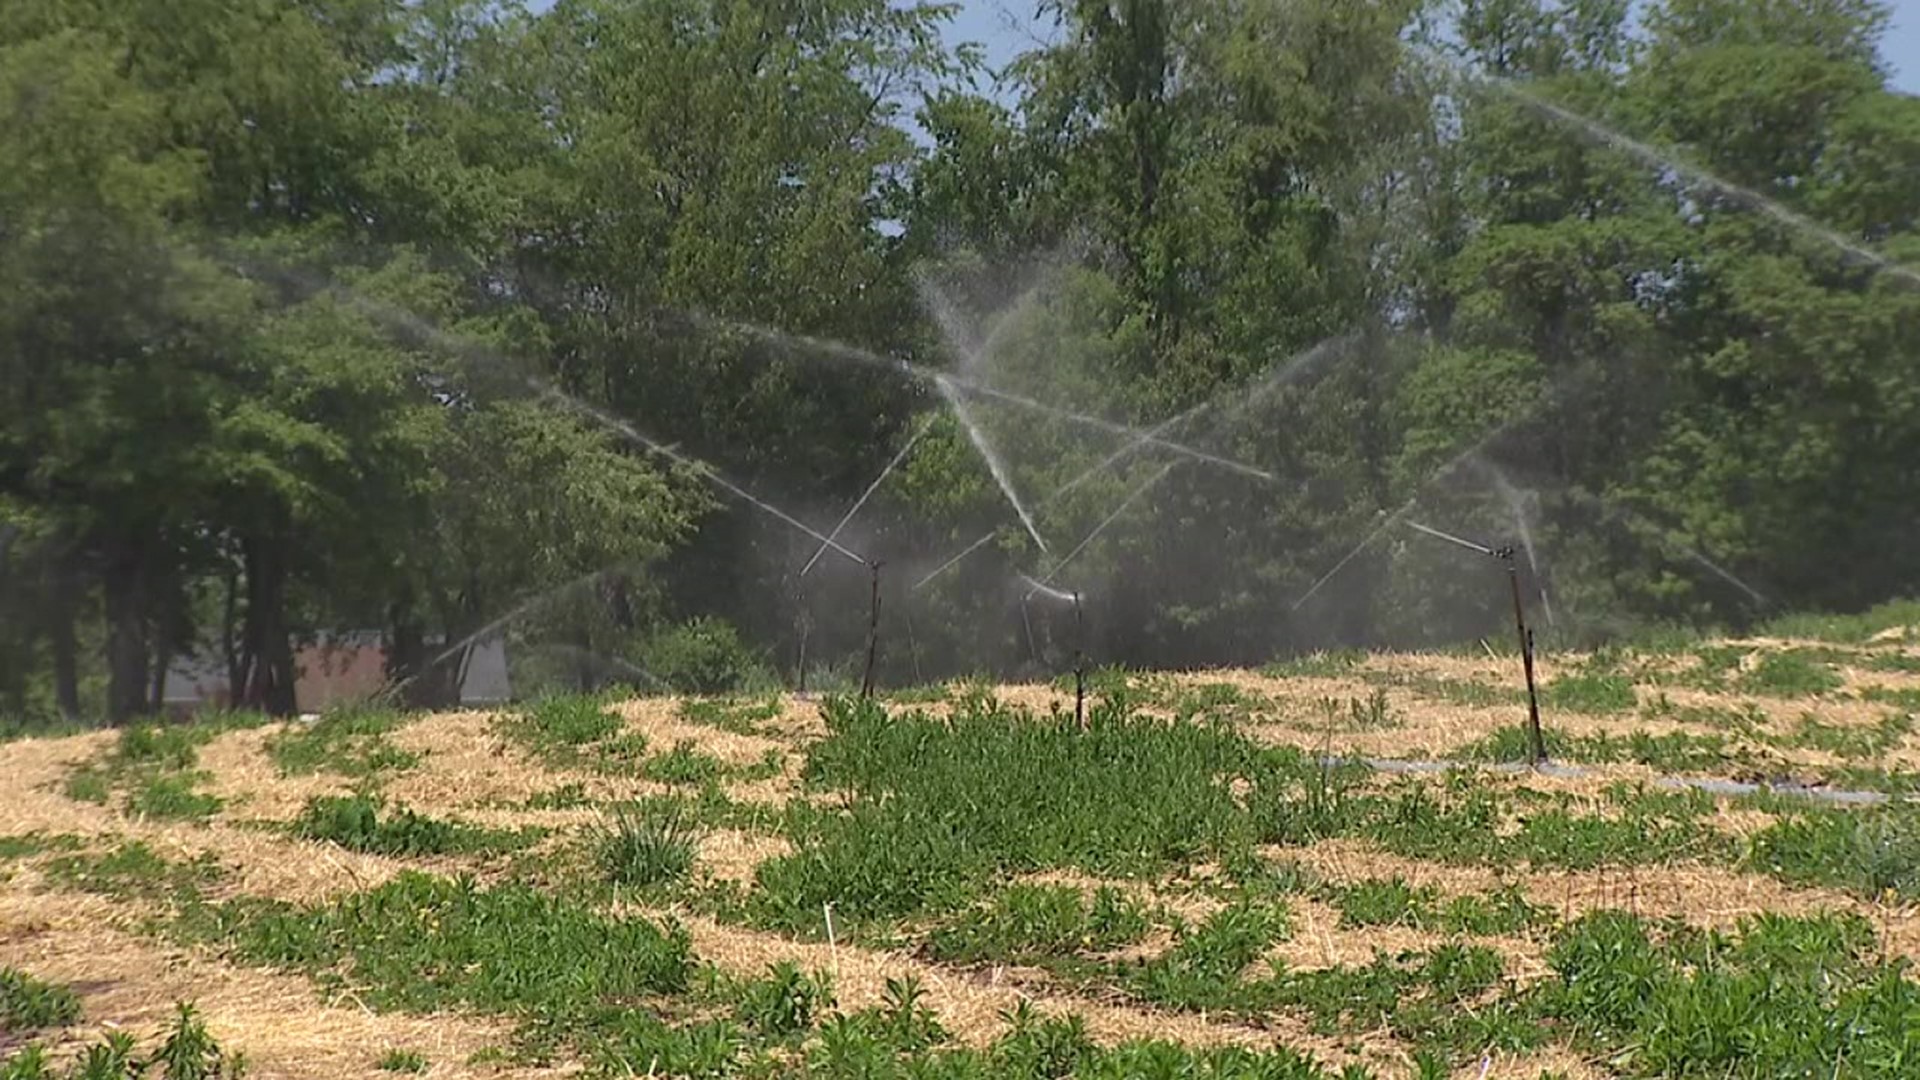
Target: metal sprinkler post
<point>873,633</point>
<point>1079,664</point>
<point>1536,740</point>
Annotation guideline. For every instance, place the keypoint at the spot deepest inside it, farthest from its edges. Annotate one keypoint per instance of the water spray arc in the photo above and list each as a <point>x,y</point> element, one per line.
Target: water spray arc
<point>621,427</point>
<point>1040,588</point>
<point>1509,557</point>
<point>1668,160</point>
<point>930,376</point>
<point>893,464</point>
<point>995,465</point>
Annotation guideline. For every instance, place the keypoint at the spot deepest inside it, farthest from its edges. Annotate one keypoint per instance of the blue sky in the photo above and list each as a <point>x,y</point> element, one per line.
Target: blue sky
<point>1007,27</point>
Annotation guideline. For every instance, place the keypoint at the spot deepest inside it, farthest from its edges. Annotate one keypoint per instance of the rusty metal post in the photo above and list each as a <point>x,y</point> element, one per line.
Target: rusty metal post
<point>873,633</point>
<point>1536,739</point>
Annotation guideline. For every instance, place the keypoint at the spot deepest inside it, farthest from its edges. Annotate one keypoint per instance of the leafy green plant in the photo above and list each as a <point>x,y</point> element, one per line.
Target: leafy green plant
<point>725,714</point>
<point>705,656</point>
<point>1847,629</point>
<point>1792,673</point>
<point>402,1061</point>
<point>350,742</point>
<point>784,1002</point>
<point>28,1005</point>
<point>684,764</point>
<point>363,823</point>
<point>1588,691</point>
<point>1025,924</point>
<point>171,796</point>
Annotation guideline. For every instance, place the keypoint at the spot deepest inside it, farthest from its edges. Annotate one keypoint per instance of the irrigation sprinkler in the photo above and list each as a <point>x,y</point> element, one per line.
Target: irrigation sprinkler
<point>873,633</point>
<point>1079,664</point>
<point>1508,554</point>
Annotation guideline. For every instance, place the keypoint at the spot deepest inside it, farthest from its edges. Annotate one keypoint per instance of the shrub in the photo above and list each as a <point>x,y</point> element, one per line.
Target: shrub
<point>705,656</point>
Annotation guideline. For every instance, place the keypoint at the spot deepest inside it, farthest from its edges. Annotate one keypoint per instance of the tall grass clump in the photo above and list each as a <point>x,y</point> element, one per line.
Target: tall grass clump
<point>641,849</point>
<point>1848,629</point>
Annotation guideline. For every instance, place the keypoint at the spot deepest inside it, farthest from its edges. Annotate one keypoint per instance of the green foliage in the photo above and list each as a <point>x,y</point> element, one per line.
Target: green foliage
<point>785,1002</point>
<point>133,870</point>
<point>28,1005</point>
<point>1595,692</point>
<point>1787,996</point>
<point>1871,852</point>
<point>640,848</point>
<point>738,717</point>
<point>171,797</point>
<point>1893,615</point>
<point>705,656</point>
<point>362,823</point>
<point>402,1061</point>
<point>424,943</point>
<point>350,741</point>
<point>1792,673</point>
<point>1028,924</point>
<point>684,764</point>
<point>939,805</point>
<point>188,1052</point>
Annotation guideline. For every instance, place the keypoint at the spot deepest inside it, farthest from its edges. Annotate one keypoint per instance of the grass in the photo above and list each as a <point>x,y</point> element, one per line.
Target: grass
<point>1319,665</point>
<point>642,849</point>
<point>402,1061</point>
<point>1031,924</point>
<point>351,742</point>
<point>684,764</point>
<point>154,765</point>
<point>364,824</point>
<point>133,871</point>
<point>723,714</point>
<point>1599,693</point>
<point>1790,674</point>
<point>1847,629</point>
<point>937,807</point>
<point>28,1005</point>
<point>1873,852</point>
<point>575,731</point>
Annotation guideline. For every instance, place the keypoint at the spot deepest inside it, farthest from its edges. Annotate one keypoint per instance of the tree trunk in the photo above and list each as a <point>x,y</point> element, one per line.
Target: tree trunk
<point>127,595</point>
<point>64,597</point>
<point>271,687</point>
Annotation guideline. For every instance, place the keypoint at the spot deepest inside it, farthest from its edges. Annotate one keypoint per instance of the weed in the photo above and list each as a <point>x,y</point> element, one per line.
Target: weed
<point>1869,852</point>
<point>1387,902</point>
<point>1594,692</point>
<point>89,784</point>
<point>1848,629</point>
<point>187,1053</point>
<point>1793,673</point>
<point>935,808</point>
<point>1324,665</point>
<point>361,823</point>
<point>567,796</point>
<point>351,742</point>
<point>1464,692</point>
<point>738,717</point>
<point>684,764</point>
<point>645,849</point>
<point>1786,997</point>
<point>402,1061</point>
<point>785,1002</point>
<point>170,796</point>
<point>1373,714</point>
<point>28,1005</point>
<point>133,870</point>
<point>1851,741</point>
<point>1026,924</point>
<point>425,943</point>
<point>1202,969</point>
<point>30,844</point>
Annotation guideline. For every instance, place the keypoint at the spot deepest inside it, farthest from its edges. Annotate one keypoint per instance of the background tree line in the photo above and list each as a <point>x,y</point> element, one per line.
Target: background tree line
<point>274,278</point>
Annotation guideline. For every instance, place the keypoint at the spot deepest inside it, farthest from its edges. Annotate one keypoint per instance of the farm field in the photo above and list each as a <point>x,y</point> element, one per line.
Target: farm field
<point>960,881</point>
